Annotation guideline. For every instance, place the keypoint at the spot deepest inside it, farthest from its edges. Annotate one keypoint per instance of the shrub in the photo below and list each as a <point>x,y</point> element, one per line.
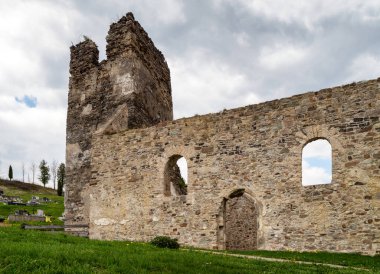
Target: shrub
<point>165,242</point>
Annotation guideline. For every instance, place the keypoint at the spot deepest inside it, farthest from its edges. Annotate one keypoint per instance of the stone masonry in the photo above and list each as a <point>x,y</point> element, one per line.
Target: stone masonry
<point>131,89</point>
<point>240,222</point>
<point>244,165</point>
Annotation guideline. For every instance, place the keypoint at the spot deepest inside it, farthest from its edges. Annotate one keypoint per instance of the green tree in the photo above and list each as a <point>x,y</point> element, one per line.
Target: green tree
<point>10,173</point>
<point>60,179</point>
<point>44,173</point>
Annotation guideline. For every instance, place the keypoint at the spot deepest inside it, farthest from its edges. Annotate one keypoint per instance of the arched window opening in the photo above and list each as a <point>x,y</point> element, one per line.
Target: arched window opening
<point>175,176</point>
<point>317,163</point>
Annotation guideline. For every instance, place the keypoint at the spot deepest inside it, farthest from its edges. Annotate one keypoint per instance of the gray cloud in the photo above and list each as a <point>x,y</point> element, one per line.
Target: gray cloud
<point>222,54</point>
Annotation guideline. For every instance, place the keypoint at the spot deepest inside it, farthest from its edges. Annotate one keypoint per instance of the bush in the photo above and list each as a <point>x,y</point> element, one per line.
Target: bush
<point>165,242</point>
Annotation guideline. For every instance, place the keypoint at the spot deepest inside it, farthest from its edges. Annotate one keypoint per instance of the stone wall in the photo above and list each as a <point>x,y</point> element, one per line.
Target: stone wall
<point>26,218</point>
<point>256,148</point>
<point>254,151</point>
<point>240,223</point>
<point>130,89</point>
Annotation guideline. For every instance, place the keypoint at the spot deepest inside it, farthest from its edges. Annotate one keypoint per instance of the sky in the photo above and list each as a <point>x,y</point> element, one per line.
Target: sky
<point>317,163</point>
<point>222,54</point>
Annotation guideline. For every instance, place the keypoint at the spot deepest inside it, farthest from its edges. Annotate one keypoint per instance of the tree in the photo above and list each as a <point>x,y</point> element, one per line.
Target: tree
<point>44,173</point>
<point>10,173</point>
<point>23,172</point>
<point>53,171</point>
<point>60,179</point>
<point>33,169</point>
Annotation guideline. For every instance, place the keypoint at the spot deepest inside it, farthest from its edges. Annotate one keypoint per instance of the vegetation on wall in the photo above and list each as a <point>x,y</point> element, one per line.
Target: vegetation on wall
<point>182,184</point>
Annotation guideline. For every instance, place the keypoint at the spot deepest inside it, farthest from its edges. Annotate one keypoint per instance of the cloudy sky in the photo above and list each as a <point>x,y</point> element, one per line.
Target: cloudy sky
<point>317,163</point>
<point>222,54</point>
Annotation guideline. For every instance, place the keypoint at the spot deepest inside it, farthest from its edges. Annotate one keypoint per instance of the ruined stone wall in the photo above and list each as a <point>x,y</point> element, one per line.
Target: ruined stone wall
<point>131,89</point>
<point>257,150</point>
<point>244,165</point>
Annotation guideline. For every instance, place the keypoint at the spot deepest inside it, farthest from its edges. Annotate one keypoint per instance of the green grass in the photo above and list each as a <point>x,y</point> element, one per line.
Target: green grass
<point>346,259</point>
<point>25,191</point>
<point>40,252</point>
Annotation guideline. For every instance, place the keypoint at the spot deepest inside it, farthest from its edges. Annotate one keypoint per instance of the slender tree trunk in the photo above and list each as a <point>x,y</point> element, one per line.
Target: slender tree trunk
<point>23,172</point>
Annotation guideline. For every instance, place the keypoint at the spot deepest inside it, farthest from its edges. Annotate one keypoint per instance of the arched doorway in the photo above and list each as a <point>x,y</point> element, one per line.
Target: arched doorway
<point>239,228</point>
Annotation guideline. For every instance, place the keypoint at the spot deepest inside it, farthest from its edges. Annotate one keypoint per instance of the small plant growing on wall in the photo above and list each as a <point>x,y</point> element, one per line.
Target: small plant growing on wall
<point>182,185</point>
<point>165,242</point>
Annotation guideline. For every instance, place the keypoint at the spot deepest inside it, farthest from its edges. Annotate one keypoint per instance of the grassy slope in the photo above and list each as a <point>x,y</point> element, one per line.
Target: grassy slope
<point>39,252</point>
<point>26,191</point>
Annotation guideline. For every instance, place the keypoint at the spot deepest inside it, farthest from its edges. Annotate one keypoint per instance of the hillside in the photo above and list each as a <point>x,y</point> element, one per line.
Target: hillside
<point>25,187</point>
<point>25,192</point>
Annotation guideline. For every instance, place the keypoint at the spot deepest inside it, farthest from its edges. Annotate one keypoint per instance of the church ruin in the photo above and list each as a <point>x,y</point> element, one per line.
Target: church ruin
<point>244,186</point>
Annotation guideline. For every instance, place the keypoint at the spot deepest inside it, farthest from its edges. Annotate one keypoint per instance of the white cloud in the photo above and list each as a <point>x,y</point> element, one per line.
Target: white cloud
<point>31,32</point>
<point>243,39</point>
<point>7,103</point>
<point>281,56</point>
<point>162,12</point>
<point>169,11</point>
<point>310,13</point>
<point>313,175</point>
<point>363,67</point>
<point>31,134</point>
<point>320,149</point>
<point>18,68</point>
<point>202,84</point>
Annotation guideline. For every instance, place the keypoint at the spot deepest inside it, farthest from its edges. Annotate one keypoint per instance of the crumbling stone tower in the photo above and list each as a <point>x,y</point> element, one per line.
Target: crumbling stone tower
<point>129,90</point>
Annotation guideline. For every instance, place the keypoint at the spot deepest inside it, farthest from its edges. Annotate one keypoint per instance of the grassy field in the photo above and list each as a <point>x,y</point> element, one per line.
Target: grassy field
<point>352,260</point>
<point>41,252</point>
<point>25,191</point>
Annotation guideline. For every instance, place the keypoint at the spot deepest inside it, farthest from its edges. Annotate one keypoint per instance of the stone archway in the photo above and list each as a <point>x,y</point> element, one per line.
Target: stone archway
<point>240,221</point>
